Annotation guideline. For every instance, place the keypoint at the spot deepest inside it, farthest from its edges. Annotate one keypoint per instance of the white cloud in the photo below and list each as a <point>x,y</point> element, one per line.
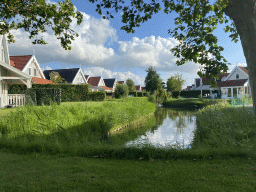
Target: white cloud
<point>87,48</point>
<point>120,76</point>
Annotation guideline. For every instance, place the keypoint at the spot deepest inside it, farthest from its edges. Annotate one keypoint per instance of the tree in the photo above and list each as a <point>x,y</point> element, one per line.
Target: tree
<point>152,80</point>
<point>196,21</point>
<point>175,83</point>
<point>36,15</point>
<point>56,78</point>
<point>121,91</point>
<point>130,84</point>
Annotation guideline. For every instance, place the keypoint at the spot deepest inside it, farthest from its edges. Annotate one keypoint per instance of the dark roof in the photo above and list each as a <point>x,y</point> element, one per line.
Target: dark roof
<point>109,82</point>
<point>67,74</point>
<point>245,69</point>
<point>230,83</point>
<point>20,61</point>
<point>94,81</point>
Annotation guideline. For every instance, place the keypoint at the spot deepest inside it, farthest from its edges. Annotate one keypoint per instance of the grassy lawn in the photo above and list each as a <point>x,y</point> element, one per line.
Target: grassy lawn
<point>36,172</point>
<point>222,158</point>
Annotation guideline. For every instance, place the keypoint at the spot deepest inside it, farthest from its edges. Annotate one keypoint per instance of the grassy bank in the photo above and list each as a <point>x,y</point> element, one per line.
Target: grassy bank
<point>36,172</point>
<point>193,103</point>
<point>226,129</point>
<point>68,128</point>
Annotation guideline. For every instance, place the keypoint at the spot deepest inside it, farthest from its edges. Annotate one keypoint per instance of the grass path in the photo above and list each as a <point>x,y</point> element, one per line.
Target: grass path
<point>35,172</point>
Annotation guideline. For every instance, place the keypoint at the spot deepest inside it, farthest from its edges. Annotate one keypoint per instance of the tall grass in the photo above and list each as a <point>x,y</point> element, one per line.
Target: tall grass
<point>230,130</point>
<point>68,128</point>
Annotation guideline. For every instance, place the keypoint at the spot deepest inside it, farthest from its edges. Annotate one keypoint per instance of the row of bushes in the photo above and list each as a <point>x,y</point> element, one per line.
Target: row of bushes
<point>194,103</point>
<point>43,93</point>
<point>192,94</point>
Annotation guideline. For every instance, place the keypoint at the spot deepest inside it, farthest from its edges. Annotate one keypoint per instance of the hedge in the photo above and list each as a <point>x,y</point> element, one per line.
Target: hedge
<point>192,94</point>
<point>96,96</point>
<point>68,92</point>
<point>134,93</point>
<point>139,94</point>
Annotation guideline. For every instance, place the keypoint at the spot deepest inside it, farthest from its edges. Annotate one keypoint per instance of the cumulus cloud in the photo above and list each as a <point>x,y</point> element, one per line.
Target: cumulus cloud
<point>120,76</point>
<point>89,47</point>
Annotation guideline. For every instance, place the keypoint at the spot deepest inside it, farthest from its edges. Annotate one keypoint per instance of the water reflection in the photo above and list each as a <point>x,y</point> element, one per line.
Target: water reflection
<point>173,128</point>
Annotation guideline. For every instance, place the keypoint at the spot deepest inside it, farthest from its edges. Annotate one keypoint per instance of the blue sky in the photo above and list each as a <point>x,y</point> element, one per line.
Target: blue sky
<point>102,49</point>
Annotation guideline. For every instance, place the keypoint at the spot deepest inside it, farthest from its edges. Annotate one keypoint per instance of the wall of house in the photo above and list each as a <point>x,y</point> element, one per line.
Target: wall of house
<point>33,67</point>
<point>102,83</point>
<point>241,75</point>
<point>79,79</point>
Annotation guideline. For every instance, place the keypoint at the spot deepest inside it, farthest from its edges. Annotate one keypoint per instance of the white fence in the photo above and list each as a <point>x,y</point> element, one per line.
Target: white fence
<point>16,99</point>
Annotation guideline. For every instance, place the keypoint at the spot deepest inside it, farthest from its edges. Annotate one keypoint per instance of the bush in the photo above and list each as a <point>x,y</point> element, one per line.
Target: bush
<point>121,91</point>
<point>96,96</point>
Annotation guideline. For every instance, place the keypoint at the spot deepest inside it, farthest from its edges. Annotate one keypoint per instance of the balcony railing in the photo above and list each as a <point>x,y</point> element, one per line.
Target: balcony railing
<point>16,99</point>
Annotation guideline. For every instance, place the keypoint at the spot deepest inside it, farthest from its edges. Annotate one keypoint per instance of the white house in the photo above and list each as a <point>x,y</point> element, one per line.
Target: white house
<point>236,84</point>
<point>29,65</point>
<point>10,75</point>
<point>96,83</point>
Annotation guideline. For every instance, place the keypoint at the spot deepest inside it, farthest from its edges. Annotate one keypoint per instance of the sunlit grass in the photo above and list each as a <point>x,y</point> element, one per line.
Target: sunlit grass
<point>68,128</point>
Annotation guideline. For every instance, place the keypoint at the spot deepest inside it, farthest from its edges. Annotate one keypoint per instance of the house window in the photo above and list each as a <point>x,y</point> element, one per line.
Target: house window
<point>29,71</point>
<point>237,76</point>
<point>224,91</point>
<point>241,90</point>
<point>234,92</point>
<point>229,92</point>
<point>34,72</point>
<point>246,92</point>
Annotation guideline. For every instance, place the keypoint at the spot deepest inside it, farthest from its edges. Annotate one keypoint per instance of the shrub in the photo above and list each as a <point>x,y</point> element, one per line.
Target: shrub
<point>121,91</point>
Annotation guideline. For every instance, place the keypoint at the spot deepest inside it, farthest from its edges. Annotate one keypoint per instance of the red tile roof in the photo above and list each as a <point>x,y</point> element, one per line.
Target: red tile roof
<point>20,61</point>
<point>220,77</point>
<point>120,82</point>
<point>137,87</point>
<point>142,88</point>
<point>86,77</point>
<point>107,88</point>
<point>230,83</point>
<point>41,81</point>
<point>245,69</point>
<point>94,81</point>
<point>12,63</point>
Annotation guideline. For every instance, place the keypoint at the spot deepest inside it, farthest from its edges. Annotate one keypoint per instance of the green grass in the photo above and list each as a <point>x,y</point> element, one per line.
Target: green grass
<point>69,128</point>
<point>36,172</point>
<point>222,158</point>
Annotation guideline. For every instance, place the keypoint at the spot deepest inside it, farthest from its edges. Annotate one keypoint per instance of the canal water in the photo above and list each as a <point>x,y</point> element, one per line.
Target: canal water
<point>173,128</point>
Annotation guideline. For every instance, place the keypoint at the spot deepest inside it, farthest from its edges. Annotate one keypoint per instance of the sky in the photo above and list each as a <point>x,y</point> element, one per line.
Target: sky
<point>103,49</point>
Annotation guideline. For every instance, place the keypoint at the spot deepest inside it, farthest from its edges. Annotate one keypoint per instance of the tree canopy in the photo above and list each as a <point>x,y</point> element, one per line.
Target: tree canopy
<point>35,15</point>
<point>152,80</point>
<point>56,78</point>
<point>195,24</point>
<point>131,85</point>
<point>175,82</point>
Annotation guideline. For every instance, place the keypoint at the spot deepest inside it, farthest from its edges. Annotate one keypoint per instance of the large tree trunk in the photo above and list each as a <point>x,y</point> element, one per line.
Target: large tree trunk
<point>242,12</point>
